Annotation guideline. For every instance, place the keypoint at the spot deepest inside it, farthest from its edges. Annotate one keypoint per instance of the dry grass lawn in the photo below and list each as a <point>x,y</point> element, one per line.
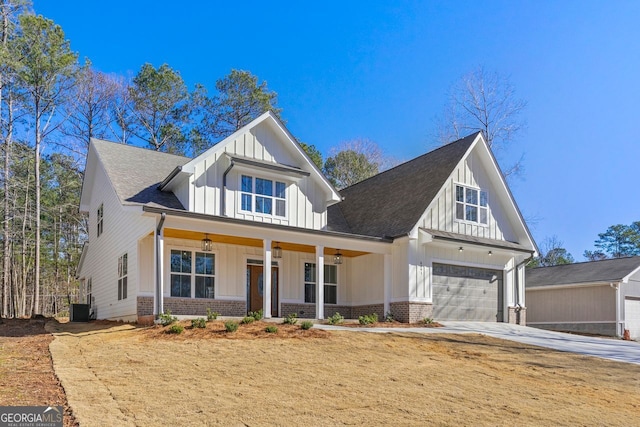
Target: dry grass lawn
<point>121,375</point>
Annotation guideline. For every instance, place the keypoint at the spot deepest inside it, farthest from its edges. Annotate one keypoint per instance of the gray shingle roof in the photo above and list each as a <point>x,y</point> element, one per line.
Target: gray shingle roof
<point>390,204</point>
<point>135,173</point>
<point>608,270</point>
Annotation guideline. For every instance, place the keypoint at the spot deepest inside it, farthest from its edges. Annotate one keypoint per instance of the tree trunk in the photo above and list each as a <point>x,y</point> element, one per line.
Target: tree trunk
<point>6,255</point>
<point>36,279</point>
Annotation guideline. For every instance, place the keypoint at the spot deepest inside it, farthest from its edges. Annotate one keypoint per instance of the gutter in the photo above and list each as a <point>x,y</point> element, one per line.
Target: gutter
<point>517,293</point>
<point>616,286</point>
<point>159,308</point>
<point>223,207</point>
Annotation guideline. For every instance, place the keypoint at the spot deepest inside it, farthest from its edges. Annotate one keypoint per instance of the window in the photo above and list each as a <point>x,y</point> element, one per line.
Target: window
<point>122,277</point>
<point>100,215</point>
<point>263,196</point>
<point>472,205</point>
<point>330,283</point>
<point>89,290</point>
<point>192,268</point>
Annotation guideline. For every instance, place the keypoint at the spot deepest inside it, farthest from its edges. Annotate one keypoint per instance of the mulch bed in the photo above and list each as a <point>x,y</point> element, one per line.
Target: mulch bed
<point>394,324</point>
<point>26,370</point>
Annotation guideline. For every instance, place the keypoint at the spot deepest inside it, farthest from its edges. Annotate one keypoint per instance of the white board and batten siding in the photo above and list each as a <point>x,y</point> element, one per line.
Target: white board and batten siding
<point>441,213</point>
<point>306,200</point>
<point>122,228</point>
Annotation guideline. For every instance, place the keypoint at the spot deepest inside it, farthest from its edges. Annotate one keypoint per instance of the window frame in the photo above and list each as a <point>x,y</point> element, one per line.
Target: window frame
<point>89,290</point>
<point>100,219</point>
<point>465,204</point>
<point>253,195</point>
<point>192,274</point>
<point>312,283</point>
<point>123,273</point>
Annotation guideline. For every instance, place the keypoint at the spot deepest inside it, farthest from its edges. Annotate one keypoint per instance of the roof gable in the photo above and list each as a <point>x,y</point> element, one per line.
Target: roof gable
<point>608,270</point>
<point>391,203</point>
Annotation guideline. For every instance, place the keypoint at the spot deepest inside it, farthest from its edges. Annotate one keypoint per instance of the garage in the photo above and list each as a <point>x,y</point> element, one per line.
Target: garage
<point>632,317</point>
<point>467,293</point>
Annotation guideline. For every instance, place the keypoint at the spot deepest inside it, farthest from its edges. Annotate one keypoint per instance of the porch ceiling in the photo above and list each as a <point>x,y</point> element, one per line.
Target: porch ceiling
<point>244,241</point>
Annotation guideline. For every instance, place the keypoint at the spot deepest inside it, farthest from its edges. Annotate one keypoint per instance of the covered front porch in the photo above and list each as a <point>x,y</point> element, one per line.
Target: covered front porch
<point>197,262</point>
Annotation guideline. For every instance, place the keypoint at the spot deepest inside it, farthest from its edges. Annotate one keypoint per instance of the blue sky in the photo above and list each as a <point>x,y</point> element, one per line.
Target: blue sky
<point>381,70</point>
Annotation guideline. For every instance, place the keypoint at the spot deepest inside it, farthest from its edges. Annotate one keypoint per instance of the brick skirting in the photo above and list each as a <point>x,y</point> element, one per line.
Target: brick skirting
<point>516,317</point>
<point>308,311</point>
<point>411,312</point>
<point>192,306</point>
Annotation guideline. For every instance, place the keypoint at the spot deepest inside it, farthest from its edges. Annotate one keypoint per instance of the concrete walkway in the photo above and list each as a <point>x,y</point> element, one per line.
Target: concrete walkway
<point>606,348</point>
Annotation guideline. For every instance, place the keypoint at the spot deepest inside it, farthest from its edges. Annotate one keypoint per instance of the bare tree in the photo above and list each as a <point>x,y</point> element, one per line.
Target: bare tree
<point>551,253</point>
<point>487,102</point>
<point>354,161</point>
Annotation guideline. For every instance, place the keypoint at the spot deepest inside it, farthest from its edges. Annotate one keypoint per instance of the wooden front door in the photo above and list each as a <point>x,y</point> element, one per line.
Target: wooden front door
<point>255,278</point>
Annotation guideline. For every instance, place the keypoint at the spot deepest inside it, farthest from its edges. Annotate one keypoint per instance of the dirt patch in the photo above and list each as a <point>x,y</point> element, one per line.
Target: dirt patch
<point>143,377</point>
<point>26,372</point>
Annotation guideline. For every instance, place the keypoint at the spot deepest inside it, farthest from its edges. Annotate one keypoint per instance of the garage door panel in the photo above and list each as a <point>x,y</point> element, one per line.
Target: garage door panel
<point>465,293</point>
<point>632,317</point>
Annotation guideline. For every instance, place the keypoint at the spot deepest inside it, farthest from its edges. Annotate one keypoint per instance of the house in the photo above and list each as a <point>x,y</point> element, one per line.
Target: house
<point>598,297</point>
<point>253,224</point>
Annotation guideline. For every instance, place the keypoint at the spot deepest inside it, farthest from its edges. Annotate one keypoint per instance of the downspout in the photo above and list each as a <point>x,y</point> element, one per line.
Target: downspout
<point>223,210</point>
<point>518,306</point>
<point>616,286</point>
<point>159,303</point>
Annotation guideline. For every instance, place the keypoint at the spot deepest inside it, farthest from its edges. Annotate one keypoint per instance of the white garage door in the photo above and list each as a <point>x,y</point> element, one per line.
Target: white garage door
<point>467,293</point>
<point>632,317</point>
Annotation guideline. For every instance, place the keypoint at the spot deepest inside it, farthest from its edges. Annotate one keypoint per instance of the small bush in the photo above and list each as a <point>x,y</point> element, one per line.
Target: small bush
<point>212,315</point>
<point>291,319</point>
<point>200,322</point>
<point>388,317</point>
<point>247,319</point>
<point>175,328</point>
<point>167,319</point>
<point>368,319</point>
<point>336,319</point>
<point>307,324</point>
<point>257,315</point>
<point>231,326</point>
<point>427,320</point>
<point>272,329</point>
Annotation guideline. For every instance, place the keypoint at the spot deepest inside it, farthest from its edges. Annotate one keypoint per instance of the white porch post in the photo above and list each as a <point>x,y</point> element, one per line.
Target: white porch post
<point>266,271</point>
<point>159,260</point>
<point>387,284</point>
<point>319,282</point>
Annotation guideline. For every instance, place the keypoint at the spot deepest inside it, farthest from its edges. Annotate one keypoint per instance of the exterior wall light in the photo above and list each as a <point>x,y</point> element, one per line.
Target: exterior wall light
<point>207,243</point>
<point>337,258</point>
<point>277,251</point>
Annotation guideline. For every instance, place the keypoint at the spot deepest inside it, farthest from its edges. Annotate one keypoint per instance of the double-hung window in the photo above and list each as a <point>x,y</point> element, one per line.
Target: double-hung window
<point>89,290</point>
<point>100,216</point>
<point>263,196</point>
<point>472,205</point>
<point>192,270</point>
<point>122,277</point>
<point>330,283</point>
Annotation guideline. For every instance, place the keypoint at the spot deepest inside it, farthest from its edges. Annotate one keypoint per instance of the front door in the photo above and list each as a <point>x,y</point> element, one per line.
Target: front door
<point>255,280</point>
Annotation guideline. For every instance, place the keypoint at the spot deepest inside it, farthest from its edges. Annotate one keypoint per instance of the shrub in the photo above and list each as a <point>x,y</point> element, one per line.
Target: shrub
<point>247,320</point>
<point>212,315</point>
<point>175,328</point>
<point>307,324</point>
<point>272,329</point>
<point>291,319</point>
<point>388,317</point>
<point>427,320</point>
<point>368,319</point>
<point>336,319</point>
<point>200,322</point>
<point>257,315</point>
<point>231,326</point>
<point>167,319</point>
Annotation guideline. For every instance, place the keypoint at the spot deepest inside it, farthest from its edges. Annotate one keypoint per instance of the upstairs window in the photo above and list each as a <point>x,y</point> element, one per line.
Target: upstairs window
<point>100,215</point>
<point>263,196</point>
<point>472,205</point>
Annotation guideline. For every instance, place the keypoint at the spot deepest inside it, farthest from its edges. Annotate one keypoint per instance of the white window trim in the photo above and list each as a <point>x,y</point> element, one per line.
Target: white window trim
<point>337,284</point>
<point>120,290</point>
<point>268,177</point>
<point>100,220</point>
<point>168,272</point>
<point>464,204</point>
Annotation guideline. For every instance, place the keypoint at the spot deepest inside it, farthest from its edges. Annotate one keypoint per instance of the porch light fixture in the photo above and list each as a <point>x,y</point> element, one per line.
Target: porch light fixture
<point>490,253</point>
<point>337,258</point>
<point>277,251</point>
<point>207,243</point>
<point>460,249</point>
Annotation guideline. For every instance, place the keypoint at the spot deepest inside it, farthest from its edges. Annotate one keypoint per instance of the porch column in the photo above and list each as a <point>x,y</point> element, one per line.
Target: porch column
<point>158,294</point>
<point>319,282</point>
<point>387,284</point>
<point>266,279</point>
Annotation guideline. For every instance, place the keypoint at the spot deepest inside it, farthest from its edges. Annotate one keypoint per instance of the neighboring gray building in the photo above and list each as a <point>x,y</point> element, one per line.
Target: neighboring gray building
<point>599,297</point>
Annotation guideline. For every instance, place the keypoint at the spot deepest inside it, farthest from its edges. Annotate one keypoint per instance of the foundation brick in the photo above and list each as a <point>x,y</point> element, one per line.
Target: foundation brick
<point>194,307</point>
<point>518,318</point>
<point>411,312</point>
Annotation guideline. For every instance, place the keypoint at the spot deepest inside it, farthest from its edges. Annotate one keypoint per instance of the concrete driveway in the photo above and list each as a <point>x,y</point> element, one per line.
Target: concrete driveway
<point>606,348</point>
